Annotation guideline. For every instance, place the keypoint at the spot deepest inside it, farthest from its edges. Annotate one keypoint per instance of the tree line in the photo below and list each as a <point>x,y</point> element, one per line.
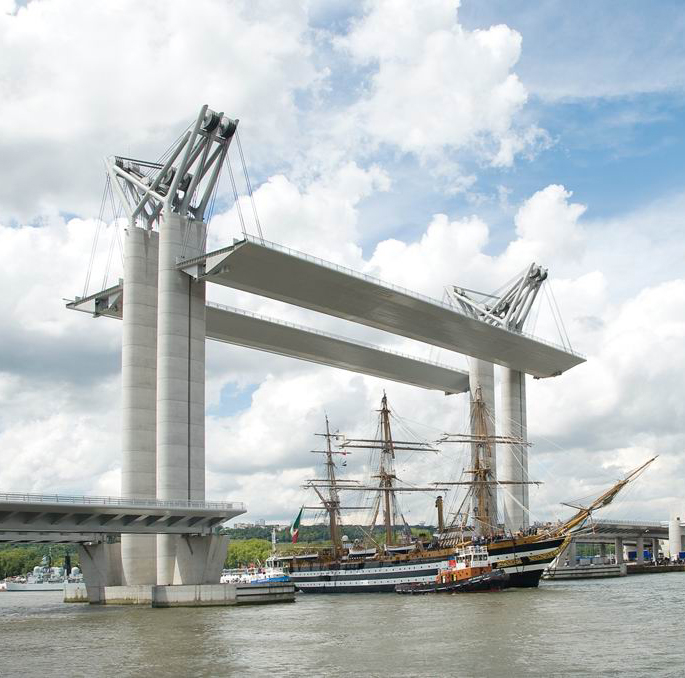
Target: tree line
<point>21,559</point>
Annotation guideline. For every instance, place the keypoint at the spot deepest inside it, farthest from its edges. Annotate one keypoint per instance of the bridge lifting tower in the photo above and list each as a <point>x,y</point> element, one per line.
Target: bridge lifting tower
<point>163,354</point>
<point>509,311</point>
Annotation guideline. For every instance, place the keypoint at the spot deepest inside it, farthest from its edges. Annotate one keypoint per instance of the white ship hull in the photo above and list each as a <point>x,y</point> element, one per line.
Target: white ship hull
<point>44,586</point>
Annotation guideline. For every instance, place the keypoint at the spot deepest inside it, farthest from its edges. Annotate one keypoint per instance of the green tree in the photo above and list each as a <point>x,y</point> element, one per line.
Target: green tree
<point>247,552</point>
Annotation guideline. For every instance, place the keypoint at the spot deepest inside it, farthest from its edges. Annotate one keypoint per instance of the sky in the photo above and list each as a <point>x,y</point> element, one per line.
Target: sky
<point>427,144</point>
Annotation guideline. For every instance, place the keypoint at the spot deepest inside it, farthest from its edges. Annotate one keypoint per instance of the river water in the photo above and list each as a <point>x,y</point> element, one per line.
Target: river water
<point>629,626</point>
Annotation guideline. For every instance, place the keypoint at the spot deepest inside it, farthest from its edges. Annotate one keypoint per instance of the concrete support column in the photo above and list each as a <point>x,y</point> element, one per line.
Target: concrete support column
<point>640,549</point>
<point>513,459</point>
<point>101,566</point>
<point>674,537</point>
<point>482,375</point>
<point>200,559</point>
<point>180,377</point>
<point>618,545</point>
<point>571,553</point>
<point>139,390</point>
<point>603,552</point>
<point>655,549</point>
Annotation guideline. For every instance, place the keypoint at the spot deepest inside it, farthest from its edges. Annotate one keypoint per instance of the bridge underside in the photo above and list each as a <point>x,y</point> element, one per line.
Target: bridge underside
<point>241,328</point>
<point>19,537</point>
<point>36,517</point>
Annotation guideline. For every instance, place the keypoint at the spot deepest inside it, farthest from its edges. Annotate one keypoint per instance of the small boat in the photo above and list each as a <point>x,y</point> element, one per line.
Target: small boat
<point>254,575</point>
<point>469,572</point>
<point>270,573</point>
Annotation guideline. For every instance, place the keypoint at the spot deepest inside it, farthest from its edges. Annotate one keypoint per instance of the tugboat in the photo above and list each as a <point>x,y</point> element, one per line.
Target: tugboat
<point>469,572</point>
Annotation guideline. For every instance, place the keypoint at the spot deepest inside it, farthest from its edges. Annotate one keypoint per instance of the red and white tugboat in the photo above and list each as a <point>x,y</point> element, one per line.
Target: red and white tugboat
<point>469,572</point>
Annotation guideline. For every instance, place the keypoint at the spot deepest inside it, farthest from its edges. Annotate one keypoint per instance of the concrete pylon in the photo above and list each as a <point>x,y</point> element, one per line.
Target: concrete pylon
<point>675,538</point>
<point>513,460</point>
<point>640,550</point>
<point>180,377</point>
<point>139,391</point>
<point>618,550</point>
<point>482,375</point>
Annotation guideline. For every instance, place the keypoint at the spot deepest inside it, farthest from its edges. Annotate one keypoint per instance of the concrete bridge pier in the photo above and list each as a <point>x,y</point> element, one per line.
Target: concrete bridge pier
<point>675,538</point>
<point>571,554</point>
<point>101,565</point>
<point>640,550</point>
<point>514,458</point>
<point>655,549</point>
<point>200,559</point>
<point>618,549</point>
<point>482,375</point>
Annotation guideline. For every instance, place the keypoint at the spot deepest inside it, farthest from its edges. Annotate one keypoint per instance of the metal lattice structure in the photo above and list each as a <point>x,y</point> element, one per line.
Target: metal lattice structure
<point>184,183</point>
<point>511,309</point>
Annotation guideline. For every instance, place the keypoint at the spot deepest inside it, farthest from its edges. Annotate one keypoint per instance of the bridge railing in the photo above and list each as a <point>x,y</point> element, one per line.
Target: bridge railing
<point>631,523</point>
<point>81,500</point>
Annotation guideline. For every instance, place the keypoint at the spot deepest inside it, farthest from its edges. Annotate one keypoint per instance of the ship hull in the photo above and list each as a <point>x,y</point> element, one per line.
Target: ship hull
<point>523,562</point>
<point>46,586</point>
<point>491,581</point>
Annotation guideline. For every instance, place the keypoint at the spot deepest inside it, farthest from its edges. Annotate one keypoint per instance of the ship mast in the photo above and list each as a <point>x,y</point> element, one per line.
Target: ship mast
<point>387,487</point>
<point>386,472</point>
<point>331,500</point>
<point>333,504</point>
<point>482,481</point>
<point>484,510</point>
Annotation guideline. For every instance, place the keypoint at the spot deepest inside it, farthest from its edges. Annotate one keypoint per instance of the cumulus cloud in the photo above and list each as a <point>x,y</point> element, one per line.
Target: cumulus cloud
<point>436,86</point>
<point>79,79</point>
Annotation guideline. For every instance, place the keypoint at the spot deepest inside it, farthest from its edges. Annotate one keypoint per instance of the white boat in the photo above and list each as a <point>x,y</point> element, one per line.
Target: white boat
<point>254,575</point>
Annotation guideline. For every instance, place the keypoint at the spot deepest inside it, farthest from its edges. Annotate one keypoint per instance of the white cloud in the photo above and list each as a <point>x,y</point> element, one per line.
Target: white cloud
<point>320,218</point>
<point>81,80</point>
<point>436,86</point>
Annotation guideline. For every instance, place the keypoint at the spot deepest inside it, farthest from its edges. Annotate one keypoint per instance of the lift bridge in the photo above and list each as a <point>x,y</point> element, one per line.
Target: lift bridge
<point>166,318</point>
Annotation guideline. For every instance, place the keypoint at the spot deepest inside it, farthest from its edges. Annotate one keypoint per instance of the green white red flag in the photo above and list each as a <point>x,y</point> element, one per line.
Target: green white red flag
<point>295,527</point>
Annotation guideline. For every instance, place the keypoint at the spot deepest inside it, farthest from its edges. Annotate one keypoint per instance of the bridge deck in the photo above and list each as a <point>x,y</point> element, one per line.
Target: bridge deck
<point>242,328</point>
<point>58,514</point>
<point>273,271</point>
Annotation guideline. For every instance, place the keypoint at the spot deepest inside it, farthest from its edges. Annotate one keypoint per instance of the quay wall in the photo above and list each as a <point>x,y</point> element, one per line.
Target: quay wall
<point>586,572</point>
<point>655,569</point>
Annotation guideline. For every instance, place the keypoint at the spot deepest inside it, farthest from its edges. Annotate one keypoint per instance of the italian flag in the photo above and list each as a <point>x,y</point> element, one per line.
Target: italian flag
<point>295,527</point>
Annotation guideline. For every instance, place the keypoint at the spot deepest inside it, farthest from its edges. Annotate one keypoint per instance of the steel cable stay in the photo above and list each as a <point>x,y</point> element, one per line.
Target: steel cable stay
<point>210,215</point>
<point>249,186</point>
<point>116,215</point>
<point>96,237</point>
<point>235,196</point>
<point>561,318</point>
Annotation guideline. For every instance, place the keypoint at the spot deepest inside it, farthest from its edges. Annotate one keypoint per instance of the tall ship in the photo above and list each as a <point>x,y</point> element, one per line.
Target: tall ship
<point>377,563</point>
